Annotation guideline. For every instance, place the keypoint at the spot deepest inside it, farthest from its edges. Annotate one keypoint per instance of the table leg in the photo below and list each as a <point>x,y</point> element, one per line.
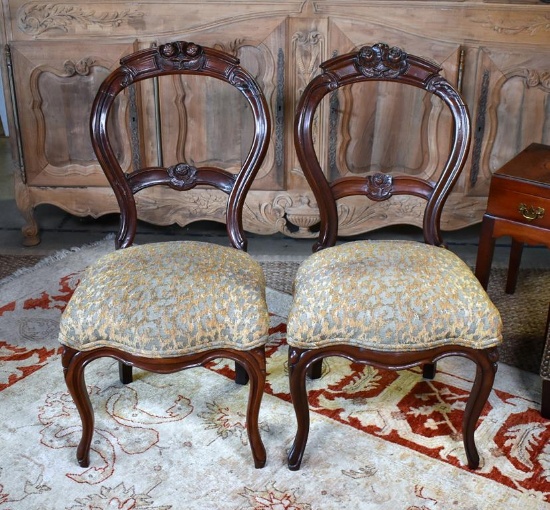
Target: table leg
<point>513,266</point>
<point>545,403</point>
<point>485,251</point>
<point>544,373</point>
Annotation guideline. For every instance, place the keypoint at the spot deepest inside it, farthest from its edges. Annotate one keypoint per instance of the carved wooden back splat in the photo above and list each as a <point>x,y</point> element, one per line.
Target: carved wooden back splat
<point>379,63</point>
<point>179,57</point>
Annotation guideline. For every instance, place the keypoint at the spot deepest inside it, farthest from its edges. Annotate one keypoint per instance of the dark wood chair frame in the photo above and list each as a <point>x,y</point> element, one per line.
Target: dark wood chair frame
<point>381,63</point>
<point>169,59</point>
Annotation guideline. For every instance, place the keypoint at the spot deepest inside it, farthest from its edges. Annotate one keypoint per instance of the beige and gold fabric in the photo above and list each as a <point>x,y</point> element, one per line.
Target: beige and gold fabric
<point>169,299</point>
<point>387,296</point>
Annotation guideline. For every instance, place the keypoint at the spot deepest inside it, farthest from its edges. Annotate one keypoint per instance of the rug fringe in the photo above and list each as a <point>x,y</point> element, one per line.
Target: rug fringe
<point>54,257</point>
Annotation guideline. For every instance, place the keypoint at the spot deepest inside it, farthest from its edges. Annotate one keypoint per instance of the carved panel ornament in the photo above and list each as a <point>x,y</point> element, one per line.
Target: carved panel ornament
<point>82,67</point>
<point>534,78</point>
<point>203,204</point>
<point>308,49</point>
<point>292,216</point>
<point>36,18</point>
<point>382,61</point>
<point>540,23</point>
<point>231,47</point>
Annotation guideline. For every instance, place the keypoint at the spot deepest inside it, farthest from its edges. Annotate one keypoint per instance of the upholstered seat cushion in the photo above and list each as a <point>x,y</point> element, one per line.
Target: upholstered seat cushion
<point>390,296</point>
<point>169,299</point>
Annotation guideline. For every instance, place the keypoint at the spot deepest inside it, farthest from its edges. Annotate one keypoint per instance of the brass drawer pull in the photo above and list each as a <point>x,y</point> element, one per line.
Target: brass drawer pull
<point>530,212</point>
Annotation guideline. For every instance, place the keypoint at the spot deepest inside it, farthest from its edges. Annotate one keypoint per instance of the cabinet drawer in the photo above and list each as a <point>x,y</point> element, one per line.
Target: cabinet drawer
<point>520,207</point>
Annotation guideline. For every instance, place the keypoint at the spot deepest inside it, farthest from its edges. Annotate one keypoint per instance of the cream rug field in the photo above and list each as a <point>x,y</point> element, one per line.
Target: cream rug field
<point>379,440</point>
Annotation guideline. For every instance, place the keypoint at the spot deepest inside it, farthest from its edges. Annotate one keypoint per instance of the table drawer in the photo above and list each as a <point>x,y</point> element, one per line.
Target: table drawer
<point>520,207</point>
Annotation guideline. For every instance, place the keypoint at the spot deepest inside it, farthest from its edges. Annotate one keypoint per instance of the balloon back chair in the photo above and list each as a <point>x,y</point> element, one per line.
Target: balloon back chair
<point>167,306</point>
<point>388,304</point>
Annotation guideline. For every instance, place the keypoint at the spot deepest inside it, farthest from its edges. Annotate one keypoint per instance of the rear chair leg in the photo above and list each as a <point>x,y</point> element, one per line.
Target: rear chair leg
<point>241,375</point>
<point>429,370</point>
<point>125,373</point>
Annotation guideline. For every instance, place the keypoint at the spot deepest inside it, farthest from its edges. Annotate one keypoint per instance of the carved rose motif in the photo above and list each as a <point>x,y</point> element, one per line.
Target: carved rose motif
<point>182,176</point>
<point>181,55</point>
<point>379,186</point>
<point>381,60</point>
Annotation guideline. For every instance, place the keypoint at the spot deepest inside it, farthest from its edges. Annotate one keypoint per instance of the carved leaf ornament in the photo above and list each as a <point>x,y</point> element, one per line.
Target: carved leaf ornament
<point>531,27</point>
<point>82,67</point>
<point>36,18</point>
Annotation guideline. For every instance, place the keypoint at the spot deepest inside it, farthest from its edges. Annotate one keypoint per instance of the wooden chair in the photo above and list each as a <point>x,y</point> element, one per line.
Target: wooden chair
<point>167,306</point>
<point>389,304</point>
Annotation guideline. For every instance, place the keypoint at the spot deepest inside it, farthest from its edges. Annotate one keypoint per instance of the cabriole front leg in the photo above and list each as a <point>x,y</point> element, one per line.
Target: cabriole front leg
<point>255,370</point>
<point>486,368</point>
<point>297,369</point>
<point>74,363</point>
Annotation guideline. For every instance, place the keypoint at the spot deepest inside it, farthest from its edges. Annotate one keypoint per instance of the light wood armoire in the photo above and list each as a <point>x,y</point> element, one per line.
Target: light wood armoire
<point>56,54</point>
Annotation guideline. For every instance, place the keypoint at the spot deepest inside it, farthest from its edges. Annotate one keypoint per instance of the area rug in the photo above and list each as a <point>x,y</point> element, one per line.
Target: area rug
<point>384,440</point>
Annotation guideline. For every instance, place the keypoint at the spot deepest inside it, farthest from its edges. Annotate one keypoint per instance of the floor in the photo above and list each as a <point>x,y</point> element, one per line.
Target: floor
<point>60,230</point>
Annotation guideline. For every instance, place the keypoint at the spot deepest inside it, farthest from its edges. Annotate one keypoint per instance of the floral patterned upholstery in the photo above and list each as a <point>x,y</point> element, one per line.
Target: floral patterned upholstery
<point>169,299</point>
<point>385,295</point>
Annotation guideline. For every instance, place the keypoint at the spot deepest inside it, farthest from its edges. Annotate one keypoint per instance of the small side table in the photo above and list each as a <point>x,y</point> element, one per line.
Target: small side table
<point>519,207</point>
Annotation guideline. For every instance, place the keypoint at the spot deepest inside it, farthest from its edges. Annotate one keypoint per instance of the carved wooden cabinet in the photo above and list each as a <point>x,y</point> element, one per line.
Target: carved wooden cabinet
<point>57,53</point>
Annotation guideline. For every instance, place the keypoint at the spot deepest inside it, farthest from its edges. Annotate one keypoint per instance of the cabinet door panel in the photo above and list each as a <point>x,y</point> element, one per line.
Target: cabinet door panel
<point>54,109</point>
<point>519,105</point>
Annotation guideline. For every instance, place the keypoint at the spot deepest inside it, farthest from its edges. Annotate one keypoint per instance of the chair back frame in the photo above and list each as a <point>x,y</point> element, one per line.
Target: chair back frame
<point>379,63</point>
<point>179,57</point>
